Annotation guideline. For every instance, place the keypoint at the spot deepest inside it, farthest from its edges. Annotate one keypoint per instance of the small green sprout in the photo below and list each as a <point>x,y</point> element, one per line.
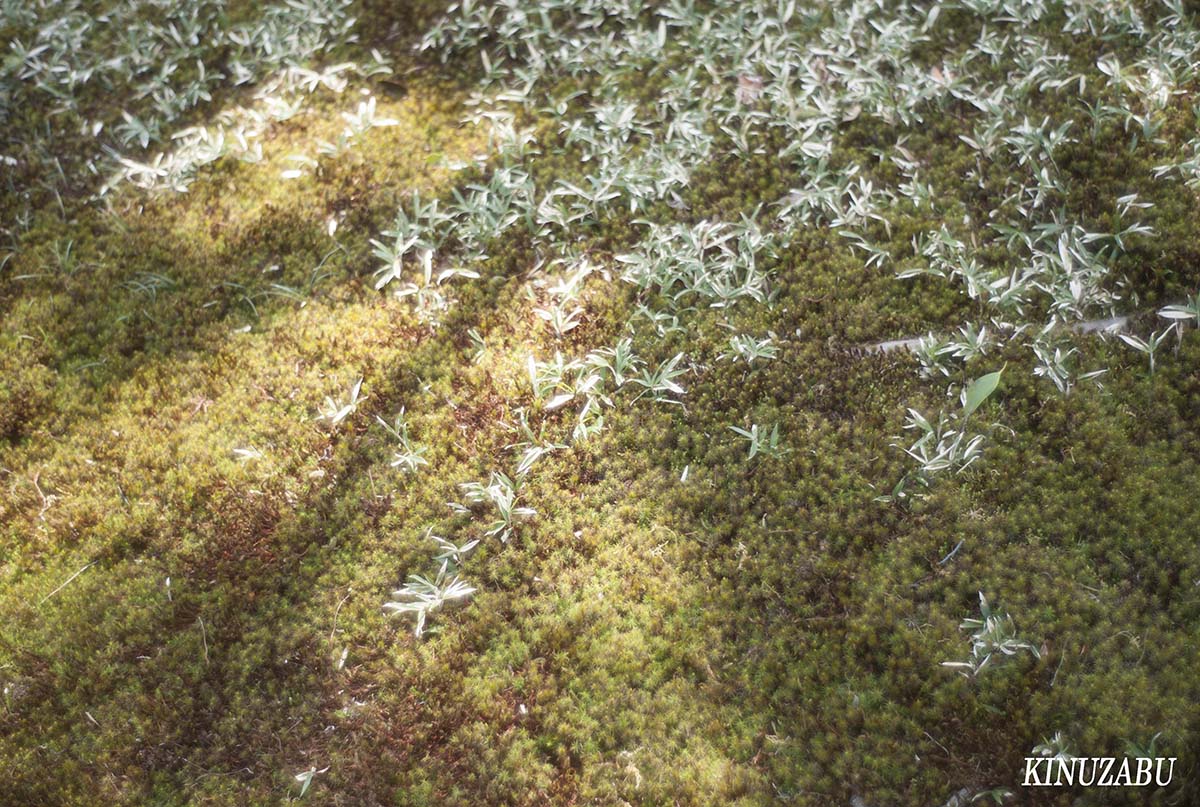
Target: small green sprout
<point>994,636</point>
<point>334,412</point>
<point>421,596</point>
<point>762,442</point>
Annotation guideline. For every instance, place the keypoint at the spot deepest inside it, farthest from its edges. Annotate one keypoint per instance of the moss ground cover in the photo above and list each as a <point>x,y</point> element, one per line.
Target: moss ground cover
<point>193,563</point>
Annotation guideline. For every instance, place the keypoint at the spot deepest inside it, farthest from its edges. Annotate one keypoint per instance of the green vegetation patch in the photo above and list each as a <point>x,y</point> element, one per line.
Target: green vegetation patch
<point>719,427</point>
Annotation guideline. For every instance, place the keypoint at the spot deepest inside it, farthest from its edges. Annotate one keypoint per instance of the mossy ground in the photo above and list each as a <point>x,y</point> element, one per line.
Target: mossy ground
<point>765,631</point>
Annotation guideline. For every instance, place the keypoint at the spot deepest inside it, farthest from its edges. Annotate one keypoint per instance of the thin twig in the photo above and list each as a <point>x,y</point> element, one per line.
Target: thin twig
<point>1062,658</point>
<point>939,745</point>
<point>203,638</point>
<point>335,614</point>
<point>47,501</point>
<point>64,585</point>
<point>953,552</point>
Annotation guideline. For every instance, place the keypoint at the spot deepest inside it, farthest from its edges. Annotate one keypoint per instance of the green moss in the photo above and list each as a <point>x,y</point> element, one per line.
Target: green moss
<point>765,629</point>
